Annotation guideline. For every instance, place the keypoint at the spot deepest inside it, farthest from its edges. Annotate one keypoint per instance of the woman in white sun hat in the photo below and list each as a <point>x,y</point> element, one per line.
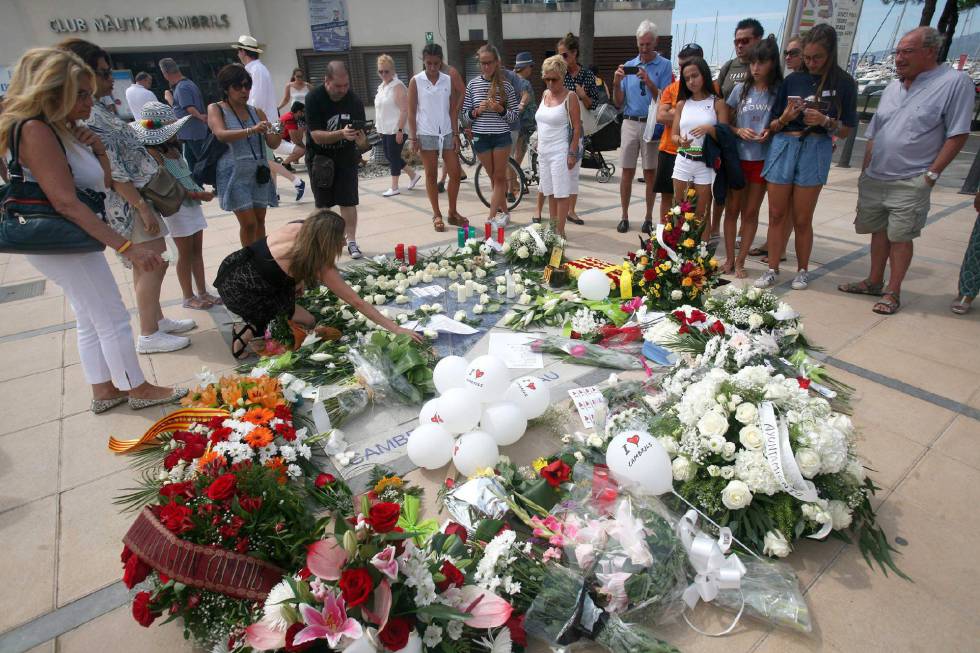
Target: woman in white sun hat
<point>156,128</point>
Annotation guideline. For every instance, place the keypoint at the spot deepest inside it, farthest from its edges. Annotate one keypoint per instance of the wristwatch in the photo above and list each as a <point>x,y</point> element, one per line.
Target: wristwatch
<point>932,176</point>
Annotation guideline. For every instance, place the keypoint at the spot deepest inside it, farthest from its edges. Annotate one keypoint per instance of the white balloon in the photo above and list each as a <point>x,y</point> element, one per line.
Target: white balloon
<point>505,421</point>
<point>474,451</point>
<point>448,373</point>
<point>593,284</point>
<point>488,377</point>
<point>430,412</point>
<point>531,395</point>
<point>459,409</point>
<point>637,458</point>
<point>430,446</point>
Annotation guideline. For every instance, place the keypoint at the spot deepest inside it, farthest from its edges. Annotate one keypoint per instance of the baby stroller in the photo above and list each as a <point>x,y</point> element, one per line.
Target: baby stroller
<point>604,139</point>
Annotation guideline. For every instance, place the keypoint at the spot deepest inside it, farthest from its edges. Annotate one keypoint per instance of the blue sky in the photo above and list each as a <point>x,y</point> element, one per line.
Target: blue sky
<point>700,15</point>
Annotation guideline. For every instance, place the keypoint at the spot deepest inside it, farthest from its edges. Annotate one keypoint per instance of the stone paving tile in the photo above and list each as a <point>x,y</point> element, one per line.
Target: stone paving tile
<point>28,563</point>
<point>30,355</point>
<point>960,441</point>
<point>947,488</point>
<point>29,460</point>
<point>30,314</point>
<point>117,631</point>
<point>32,400</point>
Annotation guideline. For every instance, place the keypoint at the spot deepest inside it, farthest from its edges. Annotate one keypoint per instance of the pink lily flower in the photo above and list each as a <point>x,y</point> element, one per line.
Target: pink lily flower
<point>632,305</point>
<point>332,624</point>
<point>379,613</point>
<point>386,562</point>
<point>263,637</point>
<point>325,558</point>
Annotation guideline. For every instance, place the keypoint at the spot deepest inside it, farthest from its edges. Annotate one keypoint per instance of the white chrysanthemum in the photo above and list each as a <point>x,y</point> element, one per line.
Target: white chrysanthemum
<point>274,603</point>
<point>840,514</point>
<point>432,636</point>
<point>752,467</point>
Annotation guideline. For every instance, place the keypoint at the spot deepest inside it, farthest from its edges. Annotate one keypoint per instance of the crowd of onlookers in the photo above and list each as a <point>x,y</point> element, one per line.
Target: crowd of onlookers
<point>767,124</point>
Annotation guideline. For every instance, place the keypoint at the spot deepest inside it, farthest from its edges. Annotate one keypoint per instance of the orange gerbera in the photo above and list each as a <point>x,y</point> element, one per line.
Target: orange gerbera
<point>258,415</point>
<point>259,437</point>
<point>279,467</point>
<point>209,457</point>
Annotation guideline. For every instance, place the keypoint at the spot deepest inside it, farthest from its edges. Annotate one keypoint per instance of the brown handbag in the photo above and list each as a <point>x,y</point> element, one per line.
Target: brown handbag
<point>164,192</point>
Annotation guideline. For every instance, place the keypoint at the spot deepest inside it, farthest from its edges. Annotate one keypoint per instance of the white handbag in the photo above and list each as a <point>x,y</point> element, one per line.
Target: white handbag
<point>649,130</point>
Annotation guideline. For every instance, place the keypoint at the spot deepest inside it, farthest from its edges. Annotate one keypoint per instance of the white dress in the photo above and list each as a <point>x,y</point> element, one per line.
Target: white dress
<point>553,147</point>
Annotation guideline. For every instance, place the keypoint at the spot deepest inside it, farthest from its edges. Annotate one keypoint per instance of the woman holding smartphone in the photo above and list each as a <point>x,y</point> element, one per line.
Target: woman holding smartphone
<point>810,106</point>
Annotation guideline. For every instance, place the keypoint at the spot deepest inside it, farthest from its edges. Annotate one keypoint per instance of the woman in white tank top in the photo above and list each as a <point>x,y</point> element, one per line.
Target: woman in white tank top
<point>434,129</point>
<point>296,89</point>
<point>699,110</point>
<point>559,141</point>
<point>390,115</point>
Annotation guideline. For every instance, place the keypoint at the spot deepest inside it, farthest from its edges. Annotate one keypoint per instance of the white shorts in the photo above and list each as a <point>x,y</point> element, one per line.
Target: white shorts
<point>187,221</point>
<point>285,148</point>
<point>556,178</point>
<point>691,171</point>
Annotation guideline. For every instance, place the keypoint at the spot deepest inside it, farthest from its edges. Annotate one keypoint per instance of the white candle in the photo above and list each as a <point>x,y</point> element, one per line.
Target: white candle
<point>461,294</point>
<point>510,285</point>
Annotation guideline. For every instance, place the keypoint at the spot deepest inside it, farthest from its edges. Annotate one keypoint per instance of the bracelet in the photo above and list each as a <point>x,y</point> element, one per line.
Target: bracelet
<point>126,245</point>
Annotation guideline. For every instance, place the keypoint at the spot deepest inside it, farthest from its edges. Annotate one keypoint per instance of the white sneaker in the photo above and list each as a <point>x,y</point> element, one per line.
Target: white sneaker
<point>391,192</point>
<point>767,280</point>
<point>415,181</point>
<point>161,342</point>
<point>166,325</point>
<point>354,250</point>
<point>499,220</point>
<point>800,282</point>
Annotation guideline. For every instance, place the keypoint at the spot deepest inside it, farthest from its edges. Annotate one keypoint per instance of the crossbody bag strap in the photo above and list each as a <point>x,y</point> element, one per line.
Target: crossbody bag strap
<point>16,168</point>
<point>248,139</point>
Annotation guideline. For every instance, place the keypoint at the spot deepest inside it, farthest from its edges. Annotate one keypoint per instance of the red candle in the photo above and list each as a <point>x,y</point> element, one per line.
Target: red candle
<point>486,230</point>
<point>500,235</point>
<point>412,252</point>
<point>400,251</point>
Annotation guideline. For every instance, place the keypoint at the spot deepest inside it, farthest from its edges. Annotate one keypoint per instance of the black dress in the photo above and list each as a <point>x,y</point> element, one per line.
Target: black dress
<point>254,287</point>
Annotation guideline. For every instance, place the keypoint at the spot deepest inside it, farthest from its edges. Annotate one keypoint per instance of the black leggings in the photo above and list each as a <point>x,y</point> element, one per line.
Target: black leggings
<point>393,152</point>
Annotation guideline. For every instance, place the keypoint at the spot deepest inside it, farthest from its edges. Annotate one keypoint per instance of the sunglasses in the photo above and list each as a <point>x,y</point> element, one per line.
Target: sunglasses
<point>242,85</point>
<point>383,72</point>
<point>566,55</point>
<point>548,80</point>
<point>795,52</point>
<point>743,41</point>
<point>104,73</point>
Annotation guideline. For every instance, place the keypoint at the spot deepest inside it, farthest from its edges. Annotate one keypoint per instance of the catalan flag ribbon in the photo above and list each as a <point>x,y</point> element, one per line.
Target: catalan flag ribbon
<point>180,420</point>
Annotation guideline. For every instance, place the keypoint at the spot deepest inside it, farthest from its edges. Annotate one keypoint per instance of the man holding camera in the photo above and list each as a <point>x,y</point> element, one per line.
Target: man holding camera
<point>335,138</point>
<point>636,84</point>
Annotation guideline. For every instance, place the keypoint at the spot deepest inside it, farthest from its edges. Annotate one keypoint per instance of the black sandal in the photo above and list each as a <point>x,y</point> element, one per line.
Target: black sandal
<point>574,219</point>
<point>238,336</point>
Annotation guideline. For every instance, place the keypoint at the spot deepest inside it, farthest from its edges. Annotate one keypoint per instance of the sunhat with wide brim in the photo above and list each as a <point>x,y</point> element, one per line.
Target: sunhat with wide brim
<point>246,42</point>
<point>157,123</point>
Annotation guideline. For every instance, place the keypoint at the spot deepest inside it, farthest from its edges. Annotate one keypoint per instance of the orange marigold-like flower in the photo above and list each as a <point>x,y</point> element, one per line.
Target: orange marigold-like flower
<point>205,397</point>
<point>258,415</point>
<point>259,437</point>
<point>276,464</point>
<point>209,457</point>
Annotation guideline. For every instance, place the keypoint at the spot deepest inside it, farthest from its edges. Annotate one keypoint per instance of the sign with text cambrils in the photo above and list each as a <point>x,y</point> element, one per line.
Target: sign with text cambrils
<point>328,23</point>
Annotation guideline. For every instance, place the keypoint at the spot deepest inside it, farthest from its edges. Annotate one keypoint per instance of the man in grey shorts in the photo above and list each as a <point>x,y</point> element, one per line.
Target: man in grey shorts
<point>922,122</point>
<point>433,104</point>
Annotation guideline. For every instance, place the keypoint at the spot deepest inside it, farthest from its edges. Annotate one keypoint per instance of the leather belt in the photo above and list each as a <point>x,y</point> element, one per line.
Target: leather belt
<point>636,118</point>
<point>692,157</point>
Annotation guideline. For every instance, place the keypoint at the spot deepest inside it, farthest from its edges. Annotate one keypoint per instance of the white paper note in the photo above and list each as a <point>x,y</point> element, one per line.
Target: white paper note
<point>586,401</point>
<point>443,324</point>
<point>427,291</point>
<point>515,350</point>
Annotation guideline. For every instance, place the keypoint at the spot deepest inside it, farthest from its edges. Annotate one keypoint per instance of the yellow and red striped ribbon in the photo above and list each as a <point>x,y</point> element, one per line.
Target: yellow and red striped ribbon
<point>180,420</point>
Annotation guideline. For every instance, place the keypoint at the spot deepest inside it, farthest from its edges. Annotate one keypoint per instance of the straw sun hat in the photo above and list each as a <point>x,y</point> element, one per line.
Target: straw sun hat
<point>157,123</point>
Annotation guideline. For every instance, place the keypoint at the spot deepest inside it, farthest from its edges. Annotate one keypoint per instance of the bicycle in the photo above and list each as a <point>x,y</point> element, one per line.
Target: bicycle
<point>525,177</point>
<point>466,153</point>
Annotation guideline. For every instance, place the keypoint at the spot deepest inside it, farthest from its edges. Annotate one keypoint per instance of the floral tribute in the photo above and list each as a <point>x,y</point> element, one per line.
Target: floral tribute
<point>675,265</point>
<point>531,246</point>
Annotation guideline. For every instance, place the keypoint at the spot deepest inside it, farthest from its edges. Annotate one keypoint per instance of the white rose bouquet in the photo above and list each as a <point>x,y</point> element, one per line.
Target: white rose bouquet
<point>531,246</point>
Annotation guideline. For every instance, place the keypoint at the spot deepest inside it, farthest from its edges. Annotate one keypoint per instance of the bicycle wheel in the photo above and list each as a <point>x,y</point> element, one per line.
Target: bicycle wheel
<point>466,153</point>
<point>484,189</point>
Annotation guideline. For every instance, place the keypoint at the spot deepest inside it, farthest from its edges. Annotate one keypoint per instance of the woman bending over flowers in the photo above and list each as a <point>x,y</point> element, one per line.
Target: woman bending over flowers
<point>261,281</point>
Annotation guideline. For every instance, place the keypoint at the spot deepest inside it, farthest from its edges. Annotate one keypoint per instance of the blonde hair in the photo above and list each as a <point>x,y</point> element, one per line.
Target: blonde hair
<point>317,246</point>
<point>497,91</point>
<point>385,59</point>
<point>45,84</point>
<point>555,63</point>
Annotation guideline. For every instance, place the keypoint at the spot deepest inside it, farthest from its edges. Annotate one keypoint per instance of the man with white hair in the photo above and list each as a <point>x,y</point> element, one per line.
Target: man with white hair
<point>635,85</point>
<point>922,122</point>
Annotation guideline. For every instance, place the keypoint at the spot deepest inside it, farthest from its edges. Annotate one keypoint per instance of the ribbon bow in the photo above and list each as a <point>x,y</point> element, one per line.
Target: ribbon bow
<point>409,520</point>
<point>714,570</point>
<point>660,240</point>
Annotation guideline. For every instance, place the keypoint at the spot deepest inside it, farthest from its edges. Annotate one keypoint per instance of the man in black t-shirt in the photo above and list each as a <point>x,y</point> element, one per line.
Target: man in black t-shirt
<point>335,137</point>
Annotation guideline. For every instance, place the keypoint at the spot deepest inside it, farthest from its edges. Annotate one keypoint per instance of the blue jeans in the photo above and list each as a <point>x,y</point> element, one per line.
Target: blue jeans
<point>192,152</point>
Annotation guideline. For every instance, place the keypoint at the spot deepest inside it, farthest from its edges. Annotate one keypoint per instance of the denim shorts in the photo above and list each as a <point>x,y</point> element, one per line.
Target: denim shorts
<point>483,143</point>
<point>434,142</point>
<point>802,163</point>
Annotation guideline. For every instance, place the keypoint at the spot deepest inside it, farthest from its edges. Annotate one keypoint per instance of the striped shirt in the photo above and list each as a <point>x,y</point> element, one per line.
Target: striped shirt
<point>489,122</point>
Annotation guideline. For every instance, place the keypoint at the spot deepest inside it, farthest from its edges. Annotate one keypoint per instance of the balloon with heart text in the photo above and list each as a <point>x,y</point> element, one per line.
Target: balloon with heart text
<point>637,459</point>
<point>531,395</point>
<point>487,377</point>
<point>459,409</point>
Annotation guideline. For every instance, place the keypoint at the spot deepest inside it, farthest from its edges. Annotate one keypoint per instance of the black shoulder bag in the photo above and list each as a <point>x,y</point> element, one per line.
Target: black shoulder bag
<point>206,168</point>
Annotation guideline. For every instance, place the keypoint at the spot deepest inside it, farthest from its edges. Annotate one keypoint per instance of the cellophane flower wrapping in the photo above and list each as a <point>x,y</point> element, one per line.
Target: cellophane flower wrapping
<point>772,595</point>
<point>585,353</point>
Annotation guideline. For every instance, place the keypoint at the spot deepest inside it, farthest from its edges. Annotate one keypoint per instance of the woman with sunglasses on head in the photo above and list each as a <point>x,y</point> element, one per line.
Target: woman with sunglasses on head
<point>792,63</point>
<point>751,101</point>
<point>809,107</point>
<point>697,112</point>
<point>582,82</point>
<point>390,116</point>
<point>491,104</point>
<point>297,88</point>
<point>559,141</point>
<point>127,212</point>
<point>244,181</point>
<point>50,93</point>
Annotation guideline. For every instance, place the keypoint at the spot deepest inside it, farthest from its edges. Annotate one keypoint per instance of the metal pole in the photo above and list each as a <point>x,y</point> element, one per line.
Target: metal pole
<point>845,153</point>
<point>972,182</point>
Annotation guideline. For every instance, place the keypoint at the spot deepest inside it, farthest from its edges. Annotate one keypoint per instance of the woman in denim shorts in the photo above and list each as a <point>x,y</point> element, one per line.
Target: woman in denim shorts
<point>491,104</point>
<point>811,105</point>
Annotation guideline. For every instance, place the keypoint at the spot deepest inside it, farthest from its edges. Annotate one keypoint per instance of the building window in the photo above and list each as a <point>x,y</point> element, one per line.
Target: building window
<point>362,64</point>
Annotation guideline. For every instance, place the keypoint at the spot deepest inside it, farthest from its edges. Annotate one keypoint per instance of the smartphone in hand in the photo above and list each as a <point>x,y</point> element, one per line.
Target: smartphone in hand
<point>630,70</point>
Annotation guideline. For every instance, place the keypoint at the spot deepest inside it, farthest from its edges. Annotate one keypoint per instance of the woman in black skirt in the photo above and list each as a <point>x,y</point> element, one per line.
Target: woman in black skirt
<point>260,281</point>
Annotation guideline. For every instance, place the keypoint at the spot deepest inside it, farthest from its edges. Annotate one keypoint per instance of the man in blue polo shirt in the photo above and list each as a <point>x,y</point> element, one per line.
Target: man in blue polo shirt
<point>635,85</point>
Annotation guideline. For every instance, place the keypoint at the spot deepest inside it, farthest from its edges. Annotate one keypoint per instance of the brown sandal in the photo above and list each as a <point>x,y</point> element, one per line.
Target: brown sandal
<point>438,224</point>
<point>862,288</point>
<point>758,251</point>
<point>888,304</point>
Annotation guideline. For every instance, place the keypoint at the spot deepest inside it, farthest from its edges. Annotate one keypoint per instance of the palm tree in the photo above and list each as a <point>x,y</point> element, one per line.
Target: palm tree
<point>454,50</point>
<point>586,32</point>
<point>928,10</point>
<point>495,26</point>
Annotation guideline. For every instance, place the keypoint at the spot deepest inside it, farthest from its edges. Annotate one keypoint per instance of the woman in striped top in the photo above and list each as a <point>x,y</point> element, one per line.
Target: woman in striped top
<point>491,104</point>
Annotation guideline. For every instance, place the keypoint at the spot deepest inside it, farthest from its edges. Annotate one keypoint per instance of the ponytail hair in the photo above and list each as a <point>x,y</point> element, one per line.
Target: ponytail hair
<point>826,37</point>
<point>496,90</point>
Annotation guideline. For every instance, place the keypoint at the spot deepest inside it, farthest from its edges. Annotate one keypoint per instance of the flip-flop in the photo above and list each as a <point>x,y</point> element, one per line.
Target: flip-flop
<point>758,251</point>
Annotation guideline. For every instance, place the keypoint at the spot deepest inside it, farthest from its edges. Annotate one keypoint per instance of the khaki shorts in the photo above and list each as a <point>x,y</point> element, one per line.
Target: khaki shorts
<point>900,206</point>
<point>631,145</point>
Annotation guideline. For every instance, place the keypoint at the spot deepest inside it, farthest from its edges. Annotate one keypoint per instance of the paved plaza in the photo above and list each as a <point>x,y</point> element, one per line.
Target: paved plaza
<point>917,405</point>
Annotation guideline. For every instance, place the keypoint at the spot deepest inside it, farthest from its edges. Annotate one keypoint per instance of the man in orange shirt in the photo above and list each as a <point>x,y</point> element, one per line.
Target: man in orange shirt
<point>668,151</point>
